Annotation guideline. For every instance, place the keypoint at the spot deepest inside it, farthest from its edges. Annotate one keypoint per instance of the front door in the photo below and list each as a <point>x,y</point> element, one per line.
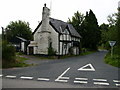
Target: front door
<point>31,50</point>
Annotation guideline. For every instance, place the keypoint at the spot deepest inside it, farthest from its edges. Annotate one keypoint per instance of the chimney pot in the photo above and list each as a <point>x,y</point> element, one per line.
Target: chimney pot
<point>45,5</point>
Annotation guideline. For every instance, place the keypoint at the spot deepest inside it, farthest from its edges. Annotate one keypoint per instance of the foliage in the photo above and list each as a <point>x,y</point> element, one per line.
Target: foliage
<point>17,28</point>
<point>115,60</point>
<point>19,62</point>
<point>91,35</point>
<point>87,27</point>
<point>111,19</point>
<point>77,20</point>
<point>108,33</point>
<point>9,58</point>
<point>51,51</point>
<point>118,29</point>
<point>8,53</point>
<point>114,34</point>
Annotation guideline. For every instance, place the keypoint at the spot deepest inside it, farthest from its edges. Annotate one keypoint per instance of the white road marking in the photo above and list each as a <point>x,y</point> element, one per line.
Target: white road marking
<point>43,79</point>
<point>60,77</point>
<point>61,80</point>
<point>64,78</point>
<point>23,77</point>
<point>116,80</point>
<point>83,68</point>
<point>99,79</point>
<point>84,82</point>
<point>1,75</point>
<point>117,84</point>
<point>100,83</point>
<point>10,76</point>
<point>81,78</point>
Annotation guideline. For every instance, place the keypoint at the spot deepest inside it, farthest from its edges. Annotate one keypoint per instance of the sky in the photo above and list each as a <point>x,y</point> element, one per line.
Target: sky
<point>31,10</point>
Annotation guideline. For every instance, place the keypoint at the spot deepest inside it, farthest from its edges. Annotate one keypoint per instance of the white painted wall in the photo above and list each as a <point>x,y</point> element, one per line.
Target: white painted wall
<point>22,46</point>
<point>54,37</point>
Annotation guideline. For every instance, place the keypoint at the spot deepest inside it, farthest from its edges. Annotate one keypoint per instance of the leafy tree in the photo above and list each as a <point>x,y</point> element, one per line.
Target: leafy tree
<point>18,28</point>
<point>118,30</point>
<point>104,28</point>
<point>112,19</point>
<point>92,34</point>
<point>76,21</point>
<point>87,27</point>
<point>8,55</point>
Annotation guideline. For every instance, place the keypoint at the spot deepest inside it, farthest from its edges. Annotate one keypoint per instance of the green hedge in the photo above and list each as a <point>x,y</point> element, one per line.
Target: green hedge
<point>115,60</point>
<point>8,52</point>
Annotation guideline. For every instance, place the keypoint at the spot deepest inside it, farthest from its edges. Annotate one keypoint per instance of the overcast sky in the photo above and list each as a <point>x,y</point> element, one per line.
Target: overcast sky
<point>31,10</point>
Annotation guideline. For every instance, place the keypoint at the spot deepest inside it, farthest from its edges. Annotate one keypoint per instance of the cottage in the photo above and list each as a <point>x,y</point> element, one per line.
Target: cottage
<point>62,36</point>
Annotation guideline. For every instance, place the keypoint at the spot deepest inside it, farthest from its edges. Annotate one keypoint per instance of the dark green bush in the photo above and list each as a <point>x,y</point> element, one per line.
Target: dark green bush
<point>8,53</point>
<point>115,60</point>
<point>51,51</point>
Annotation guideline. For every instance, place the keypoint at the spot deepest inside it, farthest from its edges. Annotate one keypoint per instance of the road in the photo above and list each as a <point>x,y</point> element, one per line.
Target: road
<point>76,72</point>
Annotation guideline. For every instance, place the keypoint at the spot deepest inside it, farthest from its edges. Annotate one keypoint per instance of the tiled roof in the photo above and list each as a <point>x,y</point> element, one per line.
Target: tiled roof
<point>58,25</point>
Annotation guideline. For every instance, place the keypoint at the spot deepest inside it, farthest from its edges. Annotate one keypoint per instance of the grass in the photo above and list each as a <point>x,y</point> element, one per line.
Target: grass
<point>82,54</point>
<point>88,52</point>
<point>43,57</point>
<point>19,53</point>
<point>21,58</point>
<point>19,62</point>
<point>114,61</point>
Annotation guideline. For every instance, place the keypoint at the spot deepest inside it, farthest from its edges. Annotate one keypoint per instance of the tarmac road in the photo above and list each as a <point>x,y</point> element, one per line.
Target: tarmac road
<point>77,72</point>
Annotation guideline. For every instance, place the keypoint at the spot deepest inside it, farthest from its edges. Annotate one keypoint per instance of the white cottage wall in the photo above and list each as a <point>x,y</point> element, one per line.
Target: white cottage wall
<point>37,34</point>
<point>54,37</point>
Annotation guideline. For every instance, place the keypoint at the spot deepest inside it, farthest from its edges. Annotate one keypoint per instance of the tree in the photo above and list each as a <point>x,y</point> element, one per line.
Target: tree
<point>87,27</point>
<point>118,30</point>
<point>18,28</point>
<point>112,19</point>
<point>76,21</point>
<point>104,28</point>
<point>92,34</point>
<point>8,54</point>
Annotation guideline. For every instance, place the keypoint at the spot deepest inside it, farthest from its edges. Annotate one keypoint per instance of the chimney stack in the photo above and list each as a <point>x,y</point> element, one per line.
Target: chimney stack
<point>45,18</point>
<point>119,4</point>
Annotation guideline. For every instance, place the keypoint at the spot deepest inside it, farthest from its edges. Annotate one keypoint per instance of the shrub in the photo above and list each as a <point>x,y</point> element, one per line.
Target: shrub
<point>8,53</point>
<point>51,51</point>
<point>115,60</point>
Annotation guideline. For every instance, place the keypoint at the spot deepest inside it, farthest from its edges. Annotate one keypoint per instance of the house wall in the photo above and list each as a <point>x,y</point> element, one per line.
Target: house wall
<point>42,35</point>
<point>54,39</point>
<point>22,46</point>
<point>42,39</point>
<point>65,43</point>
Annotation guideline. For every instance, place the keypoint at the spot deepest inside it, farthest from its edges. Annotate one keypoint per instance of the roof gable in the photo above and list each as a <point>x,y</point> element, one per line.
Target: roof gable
<point>58,25</point>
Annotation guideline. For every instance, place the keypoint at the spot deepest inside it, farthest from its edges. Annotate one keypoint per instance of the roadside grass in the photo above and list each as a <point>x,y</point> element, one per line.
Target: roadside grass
<point>42,57</point>
<point>19,62</point>
<point>114,61</point>
<point>82,54</point>
<point>19,53</point>
<point>87,52</point>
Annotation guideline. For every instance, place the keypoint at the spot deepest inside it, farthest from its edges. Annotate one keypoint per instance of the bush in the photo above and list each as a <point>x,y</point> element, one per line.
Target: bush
<point>8,53</point>
<point>115,60</point>
<point>51,51</point>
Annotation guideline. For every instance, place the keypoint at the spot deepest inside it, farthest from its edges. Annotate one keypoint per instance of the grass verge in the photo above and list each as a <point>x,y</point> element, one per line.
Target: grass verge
<point>114,61</point>
<point>19,62</point>
<point>82,54</point>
